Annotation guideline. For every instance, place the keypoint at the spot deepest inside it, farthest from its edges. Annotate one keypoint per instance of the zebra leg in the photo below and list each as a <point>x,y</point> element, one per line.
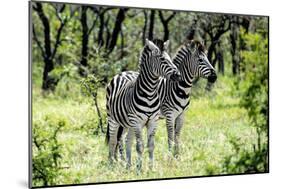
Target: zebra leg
<point>121,149</point>
<point>113,128</point>
<point>151,126</point>
<point>170,122</point>
<point>178,126</point>
<point>139,146</point>
<point>120,144</point>
<point>129,141</point>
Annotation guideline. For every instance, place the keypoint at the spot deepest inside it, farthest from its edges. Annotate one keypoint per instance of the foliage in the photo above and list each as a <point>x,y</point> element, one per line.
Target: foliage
<point>254,97</point>
<point>90,86</point>
<point>211,120</point>
<point>217,138</point>
<point>47,151</point>
<point>101,66</point>
<point>255,85</point>
<point>246,161</point>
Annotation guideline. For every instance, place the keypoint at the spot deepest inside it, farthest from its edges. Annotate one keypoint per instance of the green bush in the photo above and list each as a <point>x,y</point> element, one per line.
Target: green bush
<point>47,151</point>
<point>246,161</point>
<point>253,88</point>
<point>90,86</point>
<point>255,80</point>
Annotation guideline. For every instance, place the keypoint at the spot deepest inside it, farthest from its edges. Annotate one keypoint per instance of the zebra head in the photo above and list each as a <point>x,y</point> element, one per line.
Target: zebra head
<point>161,64</point>
<point>200,63</point>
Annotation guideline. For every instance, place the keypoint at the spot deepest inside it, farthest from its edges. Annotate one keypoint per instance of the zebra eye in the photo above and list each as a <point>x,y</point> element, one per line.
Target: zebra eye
<point>156,53</point>
<point>200,60</point>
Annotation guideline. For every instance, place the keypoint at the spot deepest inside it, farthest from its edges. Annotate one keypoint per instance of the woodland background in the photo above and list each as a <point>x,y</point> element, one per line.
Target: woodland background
<point>77,49</point>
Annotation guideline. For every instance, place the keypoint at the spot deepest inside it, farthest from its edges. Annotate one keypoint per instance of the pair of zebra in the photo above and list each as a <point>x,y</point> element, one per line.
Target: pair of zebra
<point>162,86</point>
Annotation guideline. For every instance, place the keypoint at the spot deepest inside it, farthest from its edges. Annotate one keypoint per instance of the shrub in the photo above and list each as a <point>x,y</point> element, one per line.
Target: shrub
<point>253,88</point>
<point>47,151</point>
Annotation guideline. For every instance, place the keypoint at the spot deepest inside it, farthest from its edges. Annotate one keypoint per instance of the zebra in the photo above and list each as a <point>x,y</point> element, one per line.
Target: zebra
<point>134,103</point>
<point>192,62</point>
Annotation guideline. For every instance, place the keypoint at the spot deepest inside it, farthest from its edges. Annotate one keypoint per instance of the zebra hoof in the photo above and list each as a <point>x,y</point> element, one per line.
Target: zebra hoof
<point>139,171</point>
<point>128,166</point>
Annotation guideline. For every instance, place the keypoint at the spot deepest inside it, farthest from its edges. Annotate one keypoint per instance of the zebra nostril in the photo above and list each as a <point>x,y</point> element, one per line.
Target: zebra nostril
<point>213,76</point>
<point>176,76</point>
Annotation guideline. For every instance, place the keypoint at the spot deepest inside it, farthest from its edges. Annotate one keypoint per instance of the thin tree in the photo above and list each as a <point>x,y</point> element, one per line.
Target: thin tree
<point>214,26</point>
<point>151,24</point>
<point>86,31</point>
<point>144,26</point>
<point>117,29</point>
<point>49,51</point>
<point>165,23</point>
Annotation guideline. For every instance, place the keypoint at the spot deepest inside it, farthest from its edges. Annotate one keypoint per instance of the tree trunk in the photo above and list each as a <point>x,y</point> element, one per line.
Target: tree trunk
<point>151,25</point>
<point>166,32</point>
<point>165,23</point>
<point>234,55</point>
<point>122,44</point>
<point>221,62</point>
<point>85,41</point>
<point>48,83</point>
<point>107,32</point>
<point>101,28</point>
<point>117,28</point>
<point>144,27</point>
<point>100,123</point>
<point>211,50</point>
<point>48,54</point>
<point>191,31</point>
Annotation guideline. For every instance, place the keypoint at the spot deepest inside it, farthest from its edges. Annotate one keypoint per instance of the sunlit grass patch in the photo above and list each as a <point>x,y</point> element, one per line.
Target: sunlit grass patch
<point>212,122</point>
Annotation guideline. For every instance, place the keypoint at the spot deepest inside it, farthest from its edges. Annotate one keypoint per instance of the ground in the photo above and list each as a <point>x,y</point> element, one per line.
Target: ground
<point>212,123</point>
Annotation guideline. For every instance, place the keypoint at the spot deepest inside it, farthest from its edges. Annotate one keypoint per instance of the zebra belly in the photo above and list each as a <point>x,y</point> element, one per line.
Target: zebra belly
<point>131,118</point>
<point>174,110</point>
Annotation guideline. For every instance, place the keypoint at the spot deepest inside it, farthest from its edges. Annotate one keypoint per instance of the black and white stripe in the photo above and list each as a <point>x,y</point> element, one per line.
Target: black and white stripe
<point>191,62</point>
<point>134,103</point>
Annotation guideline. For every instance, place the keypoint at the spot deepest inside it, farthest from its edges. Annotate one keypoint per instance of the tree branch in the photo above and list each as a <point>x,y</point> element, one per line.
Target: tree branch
<point>93,25</point>
<point>161,17</point>
<point>171,16</point>
<point>58,40</point>
<point>163,20</point>
<point>45,22</point>
<point>58,11</point>
<point>59,31</point>
<point>37,40</point>
<point>117,28</point>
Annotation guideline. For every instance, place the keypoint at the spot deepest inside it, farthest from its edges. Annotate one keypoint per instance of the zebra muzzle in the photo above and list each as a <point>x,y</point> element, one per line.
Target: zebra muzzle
<point>213,77</point>
<point>176,76</point>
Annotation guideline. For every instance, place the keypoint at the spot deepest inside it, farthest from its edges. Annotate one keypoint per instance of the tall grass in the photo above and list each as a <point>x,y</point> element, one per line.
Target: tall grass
<point>213,122</point>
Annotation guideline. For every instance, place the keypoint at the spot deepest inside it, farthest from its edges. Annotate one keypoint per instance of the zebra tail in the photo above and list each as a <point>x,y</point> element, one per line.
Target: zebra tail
<point>119,134</point>
<point>107,135</point>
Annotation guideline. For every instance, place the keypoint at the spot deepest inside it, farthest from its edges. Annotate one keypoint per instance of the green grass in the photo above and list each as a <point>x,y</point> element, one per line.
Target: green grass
<point>212,121</point>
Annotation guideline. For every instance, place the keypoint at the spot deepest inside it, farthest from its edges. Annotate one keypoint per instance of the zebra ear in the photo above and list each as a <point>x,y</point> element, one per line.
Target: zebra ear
<point>203,43</point>
<point>152,46</point>
<point>166,45</point>
<point>192,46</point>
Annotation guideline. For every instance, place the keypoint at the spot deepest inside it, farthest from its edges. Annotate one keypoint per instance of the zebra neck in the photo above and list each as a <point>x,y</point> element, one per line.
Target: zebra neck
<point>182,61</point>
<point>187,76</point>
<point>146,84</point>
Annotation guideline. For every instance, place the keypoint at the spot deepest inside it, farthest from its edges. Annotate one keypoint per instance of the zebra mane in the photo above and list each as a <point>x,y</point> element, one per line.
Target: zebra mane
<point>158,42</point>
<point>191,45</point>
